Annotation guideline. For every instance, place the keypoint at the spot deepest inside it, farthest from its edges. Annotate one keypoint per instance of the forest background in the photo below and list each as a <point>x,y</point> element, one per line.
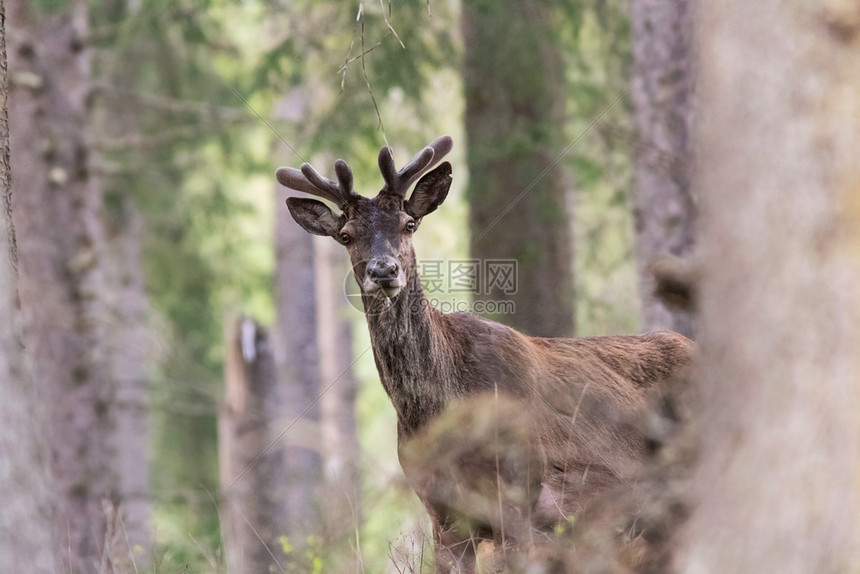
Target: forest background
<point>159,274</point>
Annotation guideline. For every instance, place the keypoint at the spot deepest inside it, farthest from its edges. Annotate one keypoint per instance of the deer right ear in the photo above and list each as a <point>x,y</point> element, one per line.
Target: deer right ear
<point>430,191</point>
<point>314,216</point>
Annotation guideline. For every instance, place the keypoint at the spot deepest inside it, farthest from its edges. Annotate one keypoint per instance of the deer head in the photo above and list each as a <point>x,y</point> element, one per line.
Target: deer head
<point>376,231</point>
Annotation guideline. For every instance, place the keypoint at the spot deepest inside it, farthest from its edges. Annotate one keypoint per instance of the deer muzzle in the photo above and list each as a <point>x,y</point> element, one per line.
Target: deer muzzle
<point>384,274</point>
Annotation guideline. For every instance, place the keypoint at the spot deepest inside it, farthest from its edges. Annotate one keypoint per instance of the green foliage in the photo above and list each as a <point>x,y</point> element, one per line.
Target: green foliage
<point>598,63</point>
<point>41,7</point>
<point>309,558</point>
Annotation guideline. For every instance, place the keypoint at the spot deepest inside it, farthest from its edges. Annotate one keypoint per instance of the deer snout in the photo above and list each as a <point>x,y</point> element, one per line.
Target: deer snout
<point>383,273</point>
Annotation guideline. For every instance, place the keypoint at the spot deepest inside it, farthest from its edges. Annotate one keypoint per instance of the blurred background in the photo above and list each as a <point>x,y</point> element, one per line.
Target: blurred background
<point>207,383</point>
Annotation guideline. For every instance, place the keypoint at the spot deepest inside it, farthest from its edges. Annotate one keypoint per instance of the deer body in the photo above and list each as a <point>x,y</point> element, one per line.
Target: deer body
<point>428,361</point>
<point>560,406</point>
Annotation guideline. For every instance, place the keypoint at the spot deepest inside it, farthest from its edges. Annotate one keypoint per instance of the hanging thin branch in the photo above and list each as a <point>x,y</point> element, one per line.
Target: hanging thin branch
<point>370,89</point>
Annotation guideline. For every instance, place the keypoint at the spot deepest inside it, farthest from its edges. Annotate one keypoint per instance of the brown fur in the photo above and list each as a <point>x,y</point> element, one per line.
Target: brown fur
<point>558,408</point>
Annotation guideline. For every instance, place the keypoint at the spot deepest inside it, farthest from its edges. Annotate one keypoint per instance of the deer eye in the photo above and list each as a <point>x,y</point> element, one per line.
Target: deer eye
<point>344,238</point>
<point>410,226</point>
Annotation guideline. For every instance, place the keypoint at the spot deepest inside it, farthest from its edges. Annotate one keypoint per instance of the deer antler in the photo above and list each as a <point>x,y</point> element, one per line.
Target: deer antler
<point>398,182</point>
<point>309,181</point>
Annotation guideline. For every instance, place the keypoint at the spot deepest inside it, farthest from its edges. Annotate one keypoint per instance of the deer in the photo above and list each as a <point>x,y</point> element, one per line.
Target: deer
<point>561,405</point>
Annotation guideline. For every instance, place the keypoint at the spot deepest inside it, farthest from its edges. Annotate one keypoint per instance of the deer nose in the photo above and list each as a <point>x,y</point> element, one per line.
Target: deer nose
<point>383,269</point>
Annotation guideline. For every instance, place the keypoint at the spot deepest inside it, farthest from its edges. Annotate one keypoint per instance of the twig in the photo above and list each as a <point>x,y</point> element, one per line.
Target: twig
<point>346,60</point>
<point>498,471</point>
<point>349,60</point>
<point>204,553</point>
<point>167,104</point>
<point>127,543</point>
<point>260,538</point>
<point>388,23</point>
<point>357,534</point>
<point>220,522</point>
<point>370,89</point>
<point>359,24</point>
<point>139,141</point>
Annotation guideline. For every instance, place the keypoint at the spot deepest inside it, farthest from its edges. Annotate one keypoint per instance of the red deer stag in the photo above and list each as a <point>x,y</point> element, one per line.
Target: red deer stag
<point>560,404</point>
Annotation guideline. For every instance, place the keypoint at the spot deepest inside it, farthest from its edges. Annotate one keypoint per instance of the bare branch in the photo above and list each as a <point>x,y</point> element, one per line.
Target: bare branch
<point>167,104</point>
<point>369,88</point>
<point>388,23</point>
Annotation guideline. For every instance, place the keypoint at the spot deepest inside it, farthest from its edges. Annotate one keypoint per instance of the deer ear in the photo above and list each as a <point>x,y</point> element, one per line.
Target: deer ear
<point>314,216</point>
<point>430,191</point>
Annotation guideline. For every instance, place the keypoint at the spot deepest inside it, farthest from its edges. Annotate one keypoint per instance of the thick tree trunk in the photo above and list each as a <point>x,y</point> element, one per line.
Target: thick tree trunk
<point>519,199</point>
<point>56,205</point>
<point>338,423</point>
<point>26,542</point>
<point>252,519</point>
<point>776,489</point>
<point>297,360</point>
<point>663,84</point>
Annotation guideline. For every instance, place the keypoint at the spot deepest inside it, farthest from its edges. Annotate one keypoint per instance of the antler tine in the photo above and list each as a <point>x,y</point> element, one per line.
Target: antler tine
<point>420,161</point>
<point>319,181</point>
<point>386,167</point>
<point>441,147</point>
<point>342,190</point>
<point>344,177</point>
<point>309,181</point>
<point>295,179</point>
<point>398,182</point>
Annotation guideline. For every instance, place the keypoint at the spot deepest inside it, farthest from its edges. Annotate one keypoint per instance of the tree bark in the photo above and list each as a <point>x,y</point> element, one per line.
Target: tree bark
<point>131,355</point>
<point>776,488</point>
<point>297,359</point>
<point>252,520</point>
<point>26,542</point>
<point>56,205</point>
<point>663,88</point>
<point>339,430</point>
<point>518,196</point>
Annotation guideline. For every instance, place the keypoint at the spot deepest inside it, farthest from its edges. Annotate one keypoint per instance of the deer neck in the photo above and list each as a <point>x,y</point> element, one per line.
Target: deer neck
<point>413,357</point>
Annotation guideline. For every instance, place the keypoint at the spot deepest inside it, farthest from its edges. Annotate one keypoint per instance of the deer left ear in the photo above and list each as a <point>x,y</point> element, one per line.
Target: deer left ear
<point>314,216</point>
<point>430,191</point>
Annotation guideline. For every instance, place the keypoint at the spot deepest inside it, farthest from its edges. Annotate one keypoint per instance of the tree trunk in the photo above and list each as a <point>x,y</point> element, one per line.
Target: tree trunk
<point>518,196</point>
<point>252,520</point>
<point>776,487</point>
<point>663,87</point>
<point>338,422</point>
<point>56,205</point>
<point>131,355</point>
<point>26,543</point>
<point>297,360</point>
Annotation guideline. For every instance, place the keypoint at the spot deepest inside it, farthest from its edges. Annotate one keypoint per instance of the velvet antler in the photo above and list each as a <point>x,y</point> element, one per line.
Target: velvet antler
<point>309,181</point>
<point>398,182</point>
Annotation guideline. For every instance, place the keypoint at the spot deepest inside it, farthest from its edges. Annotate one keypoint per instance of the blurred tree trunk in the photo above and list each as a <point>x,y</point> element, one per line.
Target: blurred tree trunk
<point>252,517</point>
<point>297,359</point>
<point>776,489</point>
<point>130,354</point>
<point>514,126</point>
<point>663,88</point>
<point>26,542</point>
<point>56,205</point>
<point>339,429</point>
